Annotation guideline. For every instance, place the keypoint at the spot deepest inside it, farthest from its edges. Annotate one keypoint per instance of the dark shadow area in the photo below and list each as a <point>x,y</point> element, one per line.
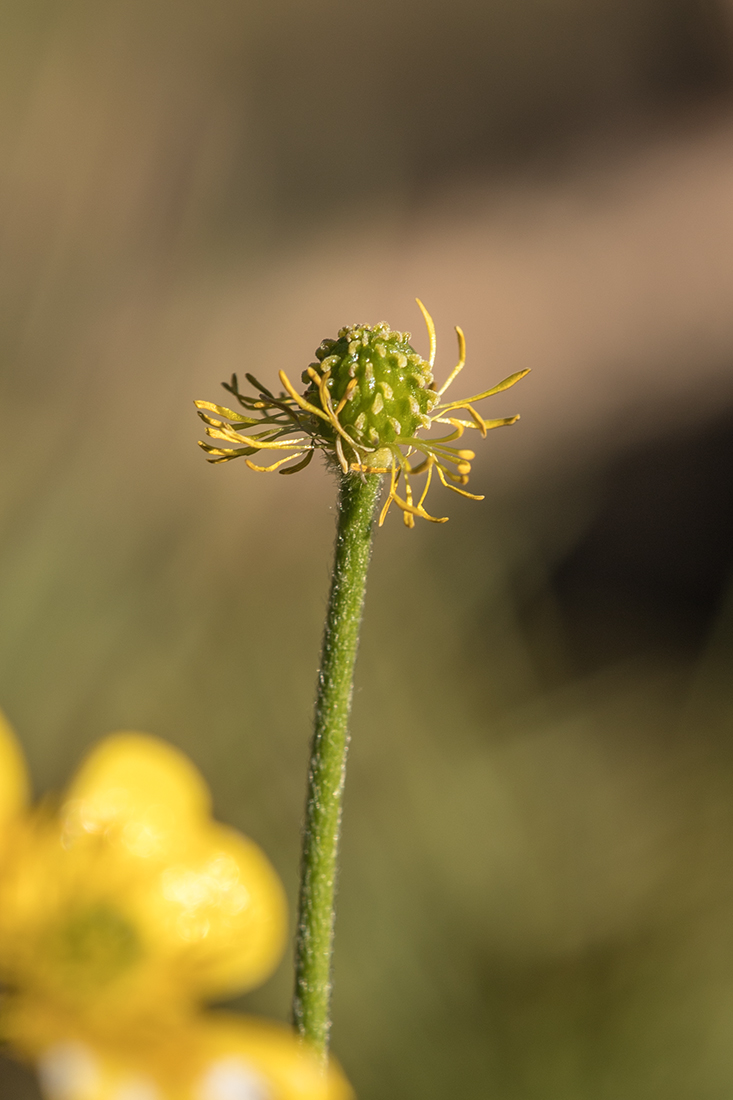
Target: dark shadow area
<point>651,568</point>
<point>17,1082</point>
<point>351,104</point>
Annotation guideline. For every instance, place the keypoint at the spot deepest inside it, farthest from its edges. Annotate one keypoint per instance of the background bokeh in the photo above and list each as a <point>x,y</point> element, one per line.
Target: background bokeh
<point>537,891</point>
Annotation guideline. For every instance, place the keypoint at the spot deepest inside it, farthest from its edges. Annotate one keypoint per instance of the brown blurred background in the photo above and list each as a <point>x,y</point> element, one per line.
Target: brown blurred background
<point>537,891</point>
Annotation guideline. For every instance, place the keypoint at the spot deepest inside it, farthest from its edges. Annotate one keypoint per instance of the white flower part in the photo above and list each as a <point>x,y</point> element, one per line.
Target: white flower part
<point>68,1071</point>
<point>232,1079</point>
<point>137,1088</point>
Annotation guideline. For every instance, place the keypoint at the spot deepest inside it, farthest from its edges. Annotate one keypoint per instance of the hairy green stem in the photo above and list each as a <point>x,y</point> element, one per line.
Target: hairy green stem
<point>358,497</point>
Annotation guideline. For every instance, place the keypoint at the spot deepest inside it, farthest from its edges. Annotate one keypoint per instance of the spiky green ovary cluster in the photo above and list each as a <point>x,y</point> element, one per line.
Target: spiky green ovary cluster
<point>392,396</point>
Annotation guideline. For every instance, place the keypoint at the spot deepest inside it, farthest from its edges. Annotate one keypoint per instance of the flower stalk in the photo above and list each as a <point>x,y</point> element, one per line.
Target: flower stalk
<point>357,503</point>
<point>368,401</point>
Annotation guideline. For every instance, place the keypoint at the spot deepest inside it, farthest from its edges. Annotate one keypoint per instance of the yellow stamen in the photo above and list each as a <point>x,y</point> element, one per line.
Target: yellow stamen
<point>269,469</point>
<point>417,511</point>
<point>340,455</point>
<point>453,435</point>
<point>228,451</point>
<point>361,468</point>
<point>347,395</point>
<point>460,364</point>
<point>222,410</point>
<point>423,466</point>
<point>488,424</point>
<point>300,465</point>
<point>478,420</point>
<point>431,333</point>
<point>463,493</point>
<point>459,425</point>
<point>331,415</point>
<point>390,498</point>
<point>260,444</point>
<point>407,516</point>
<point>504,385</point>
<point>503,422</point>
<point>430,463</point>
<point>305,405</point>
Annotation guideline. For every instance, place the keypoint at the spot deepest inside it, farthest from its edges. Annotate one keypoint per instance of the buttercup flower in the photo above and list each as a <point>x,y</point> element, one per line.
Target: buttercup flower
<point>13,781</point>
<point>368,396</point>
<point>120,911</point>
<point>214,1056</point>
<point>129,901</point>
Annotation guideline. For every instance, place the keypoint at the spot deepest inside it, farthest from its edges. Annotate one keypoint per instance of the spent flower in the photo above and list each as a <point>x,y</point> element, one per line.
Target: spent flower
<point>368,397</point>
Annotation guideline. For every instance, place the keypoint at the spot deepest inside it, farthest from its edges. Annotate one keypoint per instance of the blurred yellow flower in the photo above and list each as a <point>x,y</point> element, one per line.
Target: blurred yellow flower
<point>13,779</point>
<point>120,910</point>
<point>127,905</point>
<point>214,1056</point>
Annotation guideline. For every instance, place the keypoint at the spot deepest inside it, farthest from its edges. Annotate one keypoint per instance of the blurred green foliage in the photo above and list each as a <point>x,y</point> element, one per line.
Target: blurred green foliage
<point>535,892</point>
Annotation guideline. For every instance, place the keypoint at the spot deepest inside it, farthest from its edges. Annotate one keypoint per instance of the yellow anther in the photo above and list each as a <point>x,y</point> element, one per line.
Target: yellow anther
<point>431,333</point>
<point>478,421</point>
<point>390,498</point>
<point>412,510</point>
<point>503,385</point>
<point>269,469</point>
<point>305,405</point>
<point>347,395</point>
<point>340,455</point>
<point>430,463</point>
<point>460,364</point>
<point>463,493</point>
<point>334,420</point>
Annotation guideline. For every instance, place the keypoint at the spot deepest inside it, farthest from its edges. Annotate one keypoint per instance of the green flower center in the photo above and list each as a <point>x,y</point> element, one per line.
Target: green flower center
<point>385,384</point>
<point>94,946</point>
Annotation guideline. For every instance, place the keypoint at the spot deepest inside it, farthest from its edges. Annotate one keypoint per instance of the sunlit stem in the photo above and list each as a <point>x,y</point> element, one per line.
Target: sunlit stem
<point>358,497</point>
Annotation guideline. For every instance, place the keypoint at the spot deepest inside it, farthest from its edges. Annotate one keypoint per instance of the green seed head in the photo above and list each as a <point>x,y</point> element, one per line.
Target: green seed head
<point>367,398</point>
<point>385,383</point>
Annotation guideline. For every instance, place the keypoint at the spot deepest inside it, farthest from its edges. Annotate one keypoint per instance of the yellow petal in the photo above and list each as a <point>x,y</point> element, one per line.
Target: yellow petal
<point>222,910</point>
<point>240,1052</point>
<point>208,900</point>
<point>141,789</point>
<point>218,1056</point>
<point>135,904</point>
<point>13,775</point>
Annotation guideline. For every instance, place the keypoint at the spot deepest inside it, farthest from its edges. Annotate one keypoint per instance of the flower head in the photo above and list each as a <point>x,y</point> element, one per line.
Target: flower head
<point>120,910</point>
<point>212,1056</point>
<point>128,905</point>
<point>368,396</point>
